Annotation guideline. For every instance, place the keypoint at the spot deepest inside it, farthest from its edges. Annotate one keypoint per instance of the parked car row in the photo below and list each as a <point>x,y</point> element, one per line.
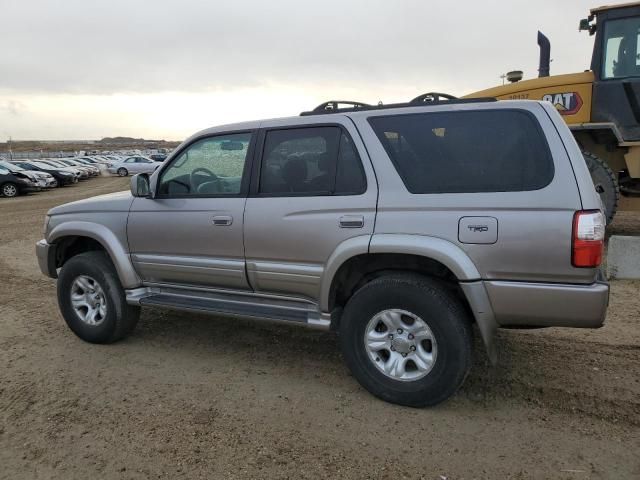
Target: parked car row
<point>25,176</point>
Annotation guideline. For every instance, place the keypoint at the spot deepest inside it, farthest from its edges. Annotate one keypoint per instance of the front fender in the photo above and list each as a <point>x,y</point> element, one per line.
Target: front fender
<point>114,247</point>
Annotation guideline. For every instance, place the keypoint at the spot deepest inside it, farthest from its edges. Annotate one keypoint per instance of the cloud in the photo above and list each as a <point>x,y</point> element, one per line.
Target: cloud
<point>87,69</point>
<point>125,46</point>
<point>12,107</point>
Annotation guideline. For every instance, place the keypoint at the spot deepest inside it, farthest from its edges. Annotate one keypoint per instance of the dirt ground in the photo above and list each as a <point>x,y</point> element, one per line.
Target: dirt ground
<point>189,396</point>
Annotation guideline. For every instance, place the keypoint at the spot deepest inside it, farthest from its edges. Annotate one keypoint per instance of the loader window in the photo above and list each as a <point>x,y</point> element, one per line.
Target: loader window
<point>467,151</point>
<point>621,48</point>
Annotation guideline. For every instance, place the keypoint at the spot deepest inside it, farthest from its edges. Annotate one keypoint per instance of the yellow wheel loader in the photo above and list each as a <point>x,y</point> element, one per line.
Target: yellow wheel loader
<point>600,105</point>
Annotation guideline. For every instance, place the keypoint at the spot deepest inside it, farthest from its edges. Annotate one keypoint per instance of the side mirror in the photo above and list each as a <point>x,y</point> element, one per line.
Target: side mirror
<point>140,185</point>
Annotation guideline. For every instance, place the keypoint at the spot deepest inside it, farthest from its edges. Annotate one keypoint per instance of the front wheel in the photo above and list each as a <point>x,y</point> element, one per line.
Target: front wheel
<point>123,172</point>
<point>92,300</point>
<point>9,190</point>
<point>605,182</point>
<point>407,340</point>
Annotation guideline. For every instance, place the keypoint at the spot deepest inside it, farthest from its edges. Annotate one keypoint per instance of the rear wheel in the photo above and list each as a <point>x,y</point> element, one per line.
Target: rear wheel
<point>407,340</point>
<point>123,172</point>
<point>9,189</point>
<point>605,182</point>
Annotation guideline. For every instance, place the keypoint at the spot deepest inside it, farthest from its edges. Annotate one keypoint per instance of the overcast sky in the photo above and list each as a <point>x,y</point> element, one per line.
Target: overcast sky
<point>78,69</point>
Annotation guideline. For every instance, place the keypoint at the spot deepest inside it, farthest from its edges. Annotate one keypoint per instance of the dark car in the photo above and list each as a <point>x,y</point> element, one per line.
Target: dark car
<point>158,157</point>
<point>14,183</point>
<point>62,177</point>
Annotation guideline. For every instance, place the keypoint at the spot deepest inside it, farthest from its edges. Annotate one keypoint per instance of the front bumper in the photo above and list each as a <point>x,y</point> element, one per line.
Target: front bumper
<point>46,259</point>
<point>28,187</point>
<point>525,304</point>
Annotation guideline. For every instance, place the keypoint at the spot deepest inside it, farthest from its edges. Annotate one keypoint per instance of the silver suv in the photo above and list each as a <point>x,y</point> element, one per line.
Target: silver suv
<point>399,227</point>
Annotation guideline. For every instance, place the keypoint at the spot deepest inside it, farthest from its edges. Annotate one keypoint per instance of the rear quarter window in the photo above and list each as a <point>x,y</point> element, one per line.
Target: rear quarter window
<point>467,152</point>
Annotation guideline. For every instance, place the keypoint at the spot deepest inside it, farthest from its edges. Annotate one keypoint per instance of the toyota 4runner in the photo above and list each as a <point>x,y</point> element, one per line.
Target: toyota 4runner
<point>398,226</point>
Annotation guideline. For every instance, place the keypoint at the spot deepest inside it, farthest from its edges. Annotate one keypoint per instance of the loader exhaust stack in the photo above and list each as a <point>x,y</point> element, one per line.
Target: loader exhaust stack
<point>545,54</point>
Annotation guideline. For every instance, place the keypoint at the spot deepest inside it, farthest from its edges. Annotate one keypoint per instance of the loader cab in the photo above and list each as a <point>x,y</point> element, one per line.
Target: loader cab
<point>616,67</point>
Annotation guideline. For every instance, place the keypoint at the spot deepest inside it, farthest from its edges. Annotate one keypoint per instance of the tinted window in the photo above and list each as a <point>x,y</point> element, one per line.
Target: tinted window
<point>310,161</point>
<point>211,166</point>
<point>455,152</point>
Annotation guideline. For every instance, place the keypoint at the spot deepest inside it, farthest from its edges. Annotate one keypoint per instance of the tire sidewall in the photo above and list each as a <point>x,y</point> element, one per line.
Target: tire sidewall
<point>123,172</point>
<point>452,341</point>
<point>601,174</point>
<point>94,266</point>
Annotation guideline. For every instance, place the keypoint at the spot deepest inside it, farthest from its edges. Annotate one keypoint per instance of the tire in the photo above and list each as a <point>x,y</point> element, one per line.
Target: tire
<point>605,182</point>
<point>123,172</point>
<point>118,318</point>
<point>9,190</point>
<point>435,306</point>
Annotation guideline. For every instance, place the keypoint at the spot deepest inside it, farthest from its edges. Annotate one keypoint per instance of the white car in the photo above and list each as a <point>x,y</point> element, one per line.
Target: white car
<point>133,164</point>
<point>91,169</point>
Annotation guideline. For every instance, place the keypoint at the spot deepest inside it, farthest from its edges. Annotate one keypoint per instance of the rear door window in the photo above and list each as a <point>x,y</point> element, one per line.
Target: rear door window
<point>464,152</point>
<point>311,161</point>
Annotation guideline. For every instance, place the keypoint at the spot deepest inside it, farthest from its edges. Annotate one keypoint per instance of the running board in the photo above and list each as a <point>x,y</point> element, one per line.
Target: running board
<point>231,304</point>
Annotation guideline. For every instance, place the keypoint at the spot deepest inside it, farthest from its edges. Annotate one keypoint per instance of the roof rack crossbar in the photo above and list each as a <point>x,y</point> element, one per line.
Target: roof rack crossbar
<point>333,105</point>
<point>424,100</point>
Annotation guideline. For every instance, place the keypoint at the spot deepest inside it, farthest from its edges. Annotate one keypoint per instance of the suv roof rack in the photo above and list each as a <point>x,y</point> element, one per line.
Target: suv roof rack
<point>426,99</point>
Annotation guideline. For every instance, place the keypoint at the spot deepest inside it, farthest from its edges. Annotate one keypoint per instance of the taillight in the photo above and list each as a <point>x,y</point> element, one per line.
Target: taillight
<point>588,238</point>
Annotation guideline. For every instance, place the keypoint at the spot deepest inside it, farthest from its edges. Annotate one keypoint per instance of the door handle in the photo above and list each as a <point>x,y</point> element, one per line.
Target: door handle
<point>352,221</point>
<point>222,220</point>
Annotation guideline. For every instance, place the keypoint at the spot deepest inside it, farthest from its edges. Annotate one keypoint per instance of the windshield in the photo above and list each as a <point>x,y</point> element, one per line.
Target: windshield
<point>11,167</point>
<point>621,48</point>
<point>45,164</point>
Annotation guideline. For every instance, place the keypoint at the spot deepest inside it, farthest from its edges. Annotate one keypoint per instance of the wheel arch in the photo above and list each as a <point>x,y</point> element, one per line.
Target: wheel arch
<point>71,238</point>
<point>357,263</point>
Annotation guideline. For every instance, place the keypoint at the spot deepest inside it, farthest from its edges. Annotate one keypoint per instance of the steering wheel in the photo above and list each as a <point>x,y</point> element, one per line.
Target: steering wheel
<point>192,177</point>
<point>431,97</point>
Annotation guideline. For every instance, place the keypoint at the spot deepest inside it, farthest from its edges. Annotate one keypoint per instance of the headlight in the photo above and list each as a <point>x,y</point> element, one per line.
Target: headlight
<point>46,224</point>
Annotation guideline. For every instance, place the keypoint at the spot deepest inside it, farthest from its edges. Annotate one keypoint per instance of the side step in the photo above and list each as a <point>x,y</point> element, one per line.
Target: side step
<point>243,305</point>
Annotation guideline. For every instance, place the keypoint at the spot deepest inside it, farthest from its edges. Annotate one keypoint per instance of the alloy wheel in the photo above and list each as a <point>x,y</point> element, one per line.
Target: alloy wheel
<point>400,344</point>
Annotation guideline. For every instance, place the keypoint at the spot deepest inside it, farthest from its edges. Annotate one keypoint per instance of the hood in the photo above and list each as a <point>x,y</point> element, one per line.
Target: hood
<point>112,202</point>
<point>26,173</point>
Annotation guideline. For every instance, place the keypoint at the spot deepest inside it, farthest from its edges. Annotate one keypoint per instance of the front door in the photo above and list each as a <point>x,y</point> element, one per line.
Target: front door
<point>191,232</point>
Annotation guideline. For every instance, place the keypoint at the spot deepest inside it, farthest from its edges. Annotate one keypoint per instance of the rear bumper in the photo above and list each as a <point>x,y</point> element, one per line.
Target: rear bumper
<point>46,259</point>
<point>549,304</point>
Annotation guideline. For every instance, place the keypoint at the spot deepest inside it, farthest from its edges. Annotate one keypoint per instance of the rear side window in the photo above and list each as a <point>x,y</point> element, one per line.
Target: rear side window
<point>465,152</point>
<point>316,161</point>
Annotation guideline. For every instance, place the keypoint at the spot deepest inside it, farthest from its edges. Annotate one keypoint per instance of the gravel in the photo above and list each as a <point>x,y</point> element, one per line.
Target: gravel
<point>190,396</point>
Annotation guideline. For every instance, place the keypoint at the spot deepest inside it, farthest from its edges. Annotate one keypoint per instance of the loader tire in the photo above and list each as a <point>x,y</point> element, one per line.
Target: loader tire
<point>605,182</point>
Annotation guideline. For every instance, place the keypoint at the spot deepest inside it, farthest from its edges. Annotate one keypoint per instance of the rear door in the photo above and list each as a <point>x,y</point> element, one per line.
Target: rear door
<point>313,188</point>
